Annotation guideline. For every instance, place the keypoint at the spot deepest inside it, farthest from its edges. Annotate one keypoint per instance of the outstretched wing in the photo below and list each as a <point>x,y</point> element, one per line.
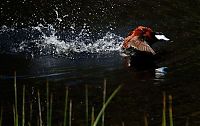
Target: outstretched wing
<point>140,45</point>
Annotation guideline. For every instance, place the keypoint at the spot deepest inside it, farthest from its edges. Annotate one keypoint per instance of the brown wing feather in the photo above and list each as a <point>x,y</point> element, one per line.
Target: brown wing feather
<point>140,45</point>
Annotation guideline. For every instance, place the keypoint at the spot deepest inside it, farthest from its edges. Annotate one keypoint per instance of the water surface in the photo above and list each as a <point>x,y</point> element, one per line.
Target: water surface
<point>77,43</point>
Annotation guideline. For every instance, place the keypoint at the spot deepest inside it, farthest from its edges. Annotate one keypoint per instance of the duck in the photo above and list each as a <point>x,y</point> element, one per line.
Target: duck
<point>138,46</point>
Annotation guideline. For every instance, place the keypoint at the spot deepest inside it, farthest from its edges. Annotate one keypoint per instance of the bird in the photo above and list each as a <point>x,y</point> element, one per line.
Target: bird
<point>138,46</point>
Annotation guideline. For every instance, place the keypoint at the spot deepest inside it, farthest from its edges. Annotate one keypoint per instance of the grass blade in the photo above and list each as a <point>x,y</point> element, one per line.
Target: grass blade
<point>40,111</point>
<point>86,104</point>
<point>123,124</point>
<point>66,105</point>
<point>164,110</point>
<point>170,111</point>
<point>1,116</point>
<point>70,113</point>
<point>92,116</point>
<point>38,122</point>
<point>105,105</point>
<point>31,112</point>
<point>15,106</point>
<point>47,94</point>
<point>50,111</point>
<point>104,100</point>
<point>23,108</point>
<point>145,119</point>
<point>187,121</point>
<point>14,115</point>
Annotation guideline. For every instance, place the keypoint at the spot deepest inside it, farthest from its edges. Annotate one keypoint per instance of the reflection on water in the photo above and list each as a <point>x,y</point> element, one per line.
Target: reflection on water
<point>74,43</point>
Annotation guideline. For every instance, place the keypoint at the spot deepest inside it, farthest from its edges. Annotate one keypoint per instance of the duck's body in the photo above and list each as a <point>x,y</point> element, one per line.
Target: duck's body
<point>138,45</point>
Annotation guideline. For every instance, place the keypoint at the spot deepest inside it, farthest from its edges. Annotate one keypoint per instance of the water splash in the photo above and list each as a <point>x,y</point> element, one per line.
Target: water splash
<point>46,40</point>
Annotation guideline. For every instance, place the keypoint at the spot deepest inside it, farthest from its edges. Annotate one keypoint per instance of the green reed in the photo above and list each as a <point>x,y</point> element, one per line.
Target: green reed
<point>187,121</point>
<point>23,107</point>
<point>123,124</point>
<point>14,116</point>
<point>106,104</point>
<point>49,105</point>
<point>170,111</point>
<point>92,116</point>
<point>86,104</point>
<point>1,116</point>
<point>30,115</point>
<point>50,110</point>
<point>15,111</point>
<point>164,110</point>
<point>145,119</point>
<point>66,105</point>
<point>47,94</point>
<point>39,108</point>
<point>104,100</point>
<point>94,122</point>
<point>164,123</point>
<point>70,113</point>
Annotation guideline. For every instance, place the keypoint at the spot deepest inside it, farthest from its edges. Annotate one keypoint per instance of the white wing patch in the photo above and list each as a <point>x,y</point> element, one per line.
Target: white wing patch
<point>162,37</point>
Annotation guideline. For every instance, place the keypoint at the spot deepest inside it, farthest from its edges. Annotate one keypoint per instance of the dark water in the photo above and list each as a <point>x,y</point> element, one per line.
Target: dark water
<point>74,43</point>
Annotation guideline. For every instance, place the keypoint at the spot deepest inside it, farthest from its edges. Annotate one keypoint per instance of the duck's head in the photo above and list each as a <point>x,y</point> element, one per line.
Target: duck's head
<point>144,33</point>
<point>142,38</point>
<point>148,35</point>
